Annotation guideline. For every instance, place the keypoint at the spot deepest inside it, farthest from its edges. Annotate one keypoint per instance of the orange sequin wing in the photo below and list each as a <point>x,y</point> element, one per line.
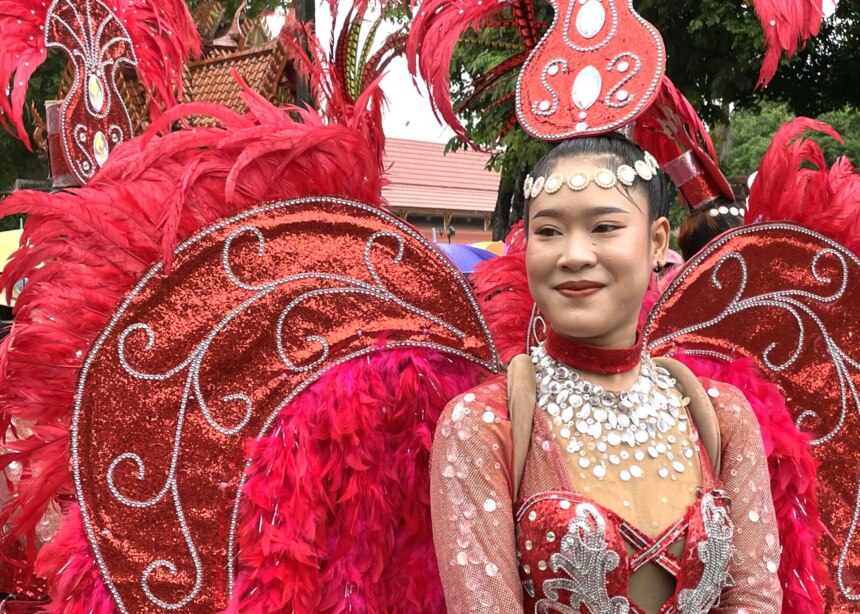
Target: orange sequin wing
<point>788,298</point>
<point>194,363</point>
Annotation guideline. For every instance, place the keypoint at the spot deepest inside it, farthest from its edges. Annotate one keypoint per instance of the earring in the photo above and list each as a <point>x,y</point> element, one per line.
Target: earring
<point>659,267</point>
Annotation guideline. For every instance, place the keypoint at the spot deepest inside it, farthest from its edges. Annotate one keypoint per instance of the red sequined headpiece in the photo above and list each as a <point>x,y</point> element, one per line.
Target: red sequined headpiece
<point>597,67</point>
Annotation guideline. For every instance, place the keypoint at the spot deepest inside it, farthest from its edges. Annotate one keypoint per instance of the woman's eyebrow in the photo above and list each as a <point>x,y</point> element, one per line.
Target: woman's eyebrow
<point>605,210</point>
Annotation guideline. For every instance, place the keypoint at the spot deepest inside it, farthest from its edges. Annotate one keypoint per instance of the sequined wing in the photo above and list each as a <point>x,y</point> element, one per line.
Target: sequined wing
<point>786,297</point>
<point>193,363</point>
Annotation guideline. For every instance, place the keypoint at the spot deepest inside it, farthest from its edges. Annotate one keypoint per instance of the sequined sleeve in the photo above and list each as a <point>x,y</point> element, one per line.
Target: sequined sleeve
<point>472,507</point>
<point>744,473</point>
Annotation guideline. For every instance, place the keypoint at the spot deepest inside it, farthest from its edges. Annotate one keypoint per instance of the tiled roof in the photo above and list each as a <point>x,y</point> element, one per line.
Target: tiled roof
<point>261,67</point>
<point>422,177</point>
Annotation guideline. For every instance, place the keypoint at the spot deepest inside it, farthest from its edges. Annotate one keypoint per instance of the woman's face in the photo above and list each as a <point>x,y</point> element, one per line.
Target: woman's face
<point>589,258</point>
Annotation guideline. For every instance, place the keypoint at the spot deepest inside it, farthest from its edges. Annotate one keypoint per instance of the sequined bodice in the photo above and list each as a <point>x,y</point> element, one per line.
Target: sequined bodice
<point>573,555</point>
<point>584,558</point>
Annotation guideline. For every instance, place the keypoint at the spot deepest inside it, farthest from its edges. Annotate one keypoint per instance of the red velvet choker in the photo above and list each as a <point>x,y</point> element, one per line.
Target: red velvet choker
<point>590,358</point>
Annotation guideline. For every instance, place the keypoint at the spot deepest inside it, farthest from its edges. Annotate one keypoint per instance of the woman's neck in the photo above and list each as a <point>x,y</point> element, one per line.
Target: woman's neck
<point>614,368</point>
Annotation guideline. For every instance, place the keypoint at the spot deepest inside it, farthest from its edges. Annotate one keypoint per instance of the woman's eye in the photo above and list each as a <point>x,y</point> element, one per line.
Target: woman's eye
<point>603,228</point>
<point>546,231</point>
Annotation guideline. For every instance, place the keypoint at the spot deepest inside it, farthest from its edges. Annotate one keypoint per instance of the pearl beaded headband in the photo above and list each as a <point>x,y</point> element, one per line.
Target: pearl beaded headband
<point>645,169</point>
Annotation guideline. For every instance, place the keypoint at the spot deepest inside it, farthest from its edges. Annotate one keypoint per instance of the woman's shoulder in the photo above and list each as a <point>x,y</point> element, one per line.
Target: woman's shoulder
<point>735,415</point>
<point>487,402</point>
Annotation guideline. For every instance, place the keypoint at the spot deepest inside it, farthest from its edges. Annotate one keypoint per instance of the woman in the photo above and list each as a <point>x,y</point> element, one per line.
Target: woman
<point>635,487</point>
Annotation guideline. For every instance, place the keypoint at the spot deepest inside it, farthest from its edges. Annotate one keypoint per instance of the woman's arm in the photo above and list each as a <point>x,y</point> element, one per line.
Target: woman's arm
<point>472,507</point>
<point>744,473</point>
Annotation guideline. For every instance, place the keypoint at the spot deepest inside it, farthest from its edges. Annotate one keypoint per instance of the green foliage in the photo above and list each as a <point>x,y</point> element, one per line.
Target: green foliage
<point>752,131</point>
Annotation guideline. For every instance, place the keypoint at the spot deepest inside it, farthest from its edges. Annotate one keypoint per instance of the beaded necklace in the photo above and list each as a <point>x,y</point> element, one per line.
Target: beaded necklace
<point>608,431</point>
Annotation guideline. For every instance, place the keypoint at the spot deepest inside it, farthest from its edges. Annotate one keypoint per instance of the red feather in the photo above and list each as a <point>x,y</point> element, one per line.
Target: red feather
<point>433,35</point>
<point>321,522</point>
<point>786,24</point>
<point>794,184</point>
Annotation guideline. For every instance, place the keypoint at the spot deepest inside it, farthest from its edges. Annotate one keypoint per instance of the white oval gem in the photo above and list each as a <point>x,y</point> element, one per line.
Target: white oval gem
<point>622,95</point>
<point>96,93</point>
<point>622,66</point>
<point>100,148</point>
<point>584,462</point>
<point>625,476</point>
<point>490,505</point>
<point>599,471</point>
<point>678,467</point>
<point>552,70</point>
<point>636,471</point>
<point>590,19</point>
<point>544,105</point>
<point>586,88</point>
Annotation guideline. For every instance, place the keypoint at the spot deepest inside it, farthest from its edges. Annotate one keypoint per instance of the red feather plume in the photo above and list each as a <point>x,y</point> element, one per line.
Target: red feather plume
<point>794,184</point>
<point>786,24</point>
<point>433,35</point>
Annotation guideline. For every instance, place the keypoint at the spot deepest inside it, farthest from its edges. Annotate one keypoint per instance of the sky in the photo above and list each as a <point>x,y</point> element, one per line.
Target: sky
<point>408,114</point>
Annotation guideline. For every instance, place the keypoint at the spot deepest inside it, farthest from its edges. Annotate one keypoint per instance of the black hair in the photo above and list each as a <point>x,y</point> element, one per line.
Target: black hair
<point>613,150</point>
<point>701,226</point>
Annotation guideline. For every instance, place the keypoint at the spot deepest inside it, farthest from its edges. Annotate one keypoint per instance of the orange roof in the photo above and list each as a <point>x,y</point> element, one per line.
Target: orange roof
<point>423,177</point>
<point>210,79</point>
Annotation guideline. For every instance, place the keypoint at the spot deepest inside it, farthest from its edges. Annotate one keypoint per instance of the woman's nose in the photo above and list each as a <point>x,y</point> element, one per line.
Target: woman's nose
<point>578,253</point>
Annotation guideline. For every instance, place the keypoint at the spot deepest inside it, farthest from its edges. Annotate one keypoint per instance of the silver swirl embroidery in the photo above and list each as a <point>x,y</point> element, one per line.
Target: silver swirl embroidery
<point>637,66</point>
<point>714,553</point>
<point>586,559</point>
<point>563,67</point>
<point>791,302</point>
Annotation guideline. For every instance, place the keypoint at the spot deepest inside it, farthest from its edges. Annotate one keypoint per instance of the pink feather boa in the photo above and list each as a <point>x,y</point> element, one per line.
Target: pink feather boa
<point>793,482</point>
<point>336,515</point>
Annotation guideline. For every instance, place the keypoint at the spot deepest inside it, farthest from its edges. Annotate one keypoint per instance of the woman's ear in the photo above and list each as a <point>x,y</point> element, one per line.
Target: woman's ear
<point>660,230</point>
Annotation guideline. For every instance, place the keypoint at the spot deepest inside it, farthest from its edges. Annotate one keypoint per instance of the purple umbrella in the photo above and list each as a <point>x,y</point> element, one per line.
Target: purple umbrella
<point>465,257</point>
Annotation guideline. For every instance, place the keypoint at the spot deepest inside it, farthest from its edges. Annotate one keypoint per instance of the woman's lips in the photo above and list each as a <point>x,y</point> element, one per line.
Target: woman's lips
<point>578,290</point>
<point>571,293</point>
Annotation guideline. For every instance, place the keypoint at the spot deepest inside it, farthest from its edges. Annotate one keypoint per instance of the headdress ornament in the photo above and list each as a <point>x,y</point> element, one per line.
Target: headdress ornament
<point>153,37</point>
<point>598,67</point>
